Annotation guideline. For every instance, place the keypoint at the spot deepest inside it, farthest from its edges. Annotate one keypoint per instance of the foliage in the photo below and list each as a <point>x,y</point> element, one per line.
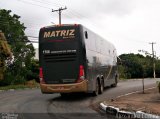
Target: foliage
<point>122,73</point>
<point>5,53</point>
<point>33,71</point>
<point>20,86</point>
<point>131,65</point>
<point>22,49</point>
<point>137,66</point>
<point>158,68</point>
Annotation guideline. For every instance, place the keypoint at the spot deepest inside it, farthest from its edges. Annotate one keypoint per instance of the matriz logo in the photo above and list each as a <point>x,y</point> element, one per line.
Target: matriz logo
<point>62,33</point>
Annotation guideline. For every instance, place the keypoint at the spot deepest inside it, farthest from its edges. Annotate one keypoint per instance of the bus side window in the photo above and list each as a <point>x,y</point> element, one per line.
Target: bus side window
<point>86,34</point>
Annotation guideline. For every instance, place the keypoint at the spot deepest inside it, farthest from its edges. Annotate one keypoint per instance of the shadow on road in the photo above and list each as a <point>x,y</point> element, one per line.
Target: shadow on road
<point>76,96</point>
<point>72,97</point>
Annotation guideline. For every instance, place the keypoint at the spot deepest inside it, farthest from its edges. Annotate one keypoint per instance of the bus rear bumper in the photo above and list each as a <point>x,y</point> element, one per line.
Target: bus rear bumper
<point>64,88</point>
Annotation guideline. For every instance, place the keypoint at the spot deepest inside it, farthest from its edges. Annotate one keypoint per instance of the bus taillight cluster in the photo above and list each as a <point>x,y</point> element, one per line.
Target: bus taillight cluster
<point>81,74</point>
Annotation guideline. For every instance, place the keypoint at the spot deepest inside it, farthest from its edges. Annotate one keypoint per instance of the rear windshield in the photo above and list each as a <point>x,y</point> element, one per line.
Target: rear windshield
<point>58,41</point>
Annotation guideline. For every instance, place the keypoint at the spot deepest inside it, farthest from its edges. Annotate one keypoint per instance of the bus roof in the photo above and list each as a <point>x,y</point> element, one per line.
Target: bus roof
<point>59,25</point>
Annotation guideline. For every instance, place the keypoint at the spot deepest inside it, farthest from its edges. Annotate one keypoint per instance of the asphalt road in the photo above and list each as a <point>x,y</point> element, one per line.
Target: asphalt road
<point>31,103</point>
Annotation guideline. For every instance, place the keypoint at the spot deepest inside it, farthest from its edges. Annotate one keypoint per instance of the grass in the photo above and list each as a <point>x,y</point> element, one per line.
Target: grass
<point>29,84</point>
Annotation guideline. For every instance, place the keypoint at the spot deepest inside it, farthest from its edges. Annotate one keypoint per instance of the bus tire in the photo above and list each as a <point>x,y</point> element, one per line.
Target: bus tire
<point>96,92</point>
<point>101,88</point>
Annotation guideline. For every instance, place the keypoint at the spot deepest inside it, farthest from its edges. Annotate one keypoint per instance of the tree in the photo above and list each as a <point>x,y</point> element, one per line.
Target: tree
<point>157,68</point>
<point>4,54</point>
<point>33,71</point>
<point>22,49</point>
<point>132,65</point>
<point>136,66</point>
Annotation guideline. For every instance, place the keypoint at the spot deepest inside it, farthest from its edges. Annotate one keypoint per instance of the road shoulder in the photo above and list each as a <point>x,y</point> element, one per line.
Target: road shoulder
<point>134,104</point>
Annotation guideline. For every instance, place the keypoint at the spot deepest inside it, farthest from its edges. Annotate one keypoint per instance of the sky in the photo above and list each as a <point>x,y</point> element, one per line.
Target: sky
<point>129,24</point>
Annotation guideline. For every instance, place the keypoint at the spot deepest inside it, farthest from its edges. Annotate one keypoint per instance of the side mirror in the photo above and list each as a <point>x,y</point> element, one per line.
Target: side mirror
<point>86,34</point>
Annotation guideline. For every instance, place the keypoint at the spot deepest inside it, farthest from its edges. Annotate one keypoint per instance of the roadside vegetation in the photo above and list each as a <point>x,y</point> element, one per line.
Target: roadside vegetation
<point>28,84</point>
<point>137,66</point>
<point>21,67</point>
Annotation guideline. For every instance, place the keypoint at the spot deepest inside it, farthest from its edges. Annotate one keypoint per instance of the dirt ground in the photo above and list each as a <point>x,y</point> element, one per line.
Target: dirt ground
<point>148,102</point>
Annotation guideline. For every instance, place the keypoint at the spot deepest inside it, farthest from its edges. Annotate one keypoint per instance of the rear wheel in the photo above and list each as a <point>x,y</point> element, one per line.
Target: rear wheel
<point>96,92</point>
<point>101,89</point>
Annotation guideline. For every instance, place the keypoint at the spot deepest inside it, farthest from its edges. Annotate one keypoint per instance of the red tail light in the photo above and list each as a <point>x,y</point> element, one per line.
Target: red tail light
<point>81,74</point>
<point>41,75</point>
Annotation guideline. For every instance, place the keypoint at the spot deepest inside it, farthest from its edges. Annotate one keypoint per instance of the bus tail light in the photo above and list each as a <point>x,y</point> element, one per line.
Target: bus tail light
<point>81,74</point>
<point>41,75</point>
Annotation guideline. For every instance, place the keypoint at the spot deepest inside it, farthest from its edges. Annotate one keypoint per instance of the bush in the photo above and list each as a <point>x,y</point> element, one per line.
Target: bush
<point>12,80</point>
<point>8,79</point>
<point>19,80</point>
